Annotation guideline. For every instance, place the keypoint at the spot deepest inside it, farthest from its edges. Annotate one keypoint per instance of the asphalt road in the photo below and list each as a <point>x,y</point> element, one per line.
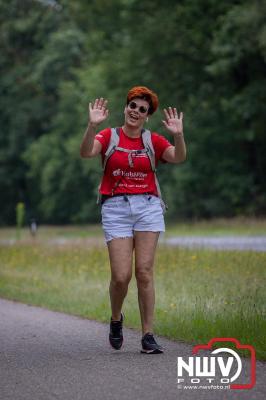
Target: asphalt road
<point>254,243</point>
<point>49,355</point>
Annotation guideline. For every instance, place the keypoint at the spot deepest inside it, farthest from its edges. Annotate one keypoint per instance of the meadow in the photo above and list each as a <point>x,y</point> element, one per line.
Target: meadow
<point>241,226</point>
<point>200,294</point>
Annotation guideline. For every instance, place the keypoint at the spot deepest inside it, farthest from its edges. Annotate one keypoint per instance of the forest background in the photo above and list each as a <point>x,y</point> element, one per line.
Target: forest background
<point>206,57</point>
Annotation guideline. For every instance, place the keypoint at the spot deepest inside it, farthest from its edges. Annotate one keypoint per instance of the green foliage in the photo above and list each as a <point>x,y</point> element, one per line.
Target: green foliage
<point>20,214</point>
<point>206,58</point>
<point>20,218</point>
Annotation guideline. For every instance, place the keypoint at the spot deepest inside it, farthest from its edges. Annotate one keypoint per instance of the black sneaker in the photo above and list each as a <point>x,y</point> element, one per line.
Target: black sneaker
<point>116,333</point>
<point>149,345</point>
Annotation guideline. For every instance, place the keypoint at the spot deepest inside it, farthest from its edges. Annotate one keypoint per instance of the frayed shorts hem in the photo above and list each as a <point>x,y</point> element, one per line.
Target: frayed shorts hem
<point>109,237</point>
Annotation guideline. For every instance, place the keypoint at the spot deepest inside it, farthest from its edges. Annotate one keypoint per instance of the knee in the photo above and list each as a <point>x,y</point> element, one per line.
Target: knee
<point>120,281</point>
<point>144,277</point>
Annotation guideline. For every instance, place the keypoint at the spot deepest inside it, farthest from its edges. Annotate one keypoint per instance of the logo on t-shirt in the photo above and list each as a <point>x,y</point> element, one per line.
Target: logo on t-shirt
<point>138,175</point>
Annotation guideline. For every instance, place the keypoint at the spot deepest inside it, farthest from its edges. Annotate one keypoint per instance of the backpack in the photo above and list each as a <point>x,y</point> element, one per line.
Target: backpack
<point>148,149</point>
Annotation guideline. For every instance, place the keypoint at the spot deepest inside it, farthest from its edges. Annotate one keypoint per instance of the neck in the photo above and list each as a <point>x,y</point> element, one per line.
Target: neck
<point>131,131</point>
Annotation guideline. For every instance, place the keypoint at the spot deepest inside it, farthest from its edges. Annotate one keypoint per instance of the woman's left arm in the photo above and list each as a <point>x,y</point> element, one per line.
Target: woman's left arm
<point>174,125</point>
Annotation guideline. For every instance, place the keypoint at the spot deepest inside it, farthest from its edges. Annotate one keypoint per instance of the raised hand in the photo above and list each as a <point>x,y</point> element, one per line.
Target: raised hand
<point>98,111</point>
<point>173,123</point>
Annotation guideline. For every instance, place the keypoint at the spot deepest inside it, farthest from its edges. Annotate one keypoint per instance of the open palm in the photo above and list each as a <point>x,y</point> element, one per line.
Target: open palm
<point>173,123</point>
<point>98,111</point>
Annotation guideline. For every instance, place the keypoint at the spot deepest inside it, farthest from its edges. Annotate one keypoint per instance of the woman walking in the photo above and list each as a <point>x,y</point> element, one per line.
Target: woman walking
<point>132,210</point>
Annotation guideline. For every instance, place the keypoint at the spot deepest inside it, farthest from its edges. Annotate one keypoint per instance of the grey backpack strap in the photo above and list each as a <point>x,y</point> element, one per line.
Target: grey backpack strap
<point>163,204</point>
<point>146,138</point>
<point>147,142</point>
<point>113,143</point>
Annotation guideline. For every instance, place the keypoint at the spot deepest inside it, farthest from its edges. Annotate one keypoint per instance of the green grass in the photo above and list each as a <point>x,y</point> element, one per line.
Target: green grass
<point>200,294</point>
<point>219,226</point>
<point>50,232</point>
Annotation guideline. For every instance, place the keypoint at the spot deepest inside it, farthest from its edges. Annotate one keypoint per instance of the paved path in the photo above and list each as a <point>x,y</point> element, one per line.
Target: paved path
<point>255,243</point>
<point>49,355</point>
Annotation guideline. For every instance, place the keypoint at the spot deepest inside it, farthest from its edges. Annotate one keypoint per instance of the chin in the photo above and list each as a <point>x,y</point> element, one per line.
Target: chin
<point>135,124</point>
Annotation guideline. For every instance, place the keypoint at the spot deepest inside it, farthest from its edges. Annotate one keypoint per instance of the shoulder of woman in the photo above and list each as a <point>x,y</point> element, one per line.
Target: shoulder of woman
<point>157,138</point>
<point>105,133</point>
<point>104,138</point>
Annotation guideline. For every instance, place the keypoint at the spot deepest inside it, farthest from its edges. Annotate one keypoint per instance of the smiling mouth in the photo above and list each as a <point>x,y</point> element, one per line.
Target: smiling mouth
<point>134,117</point>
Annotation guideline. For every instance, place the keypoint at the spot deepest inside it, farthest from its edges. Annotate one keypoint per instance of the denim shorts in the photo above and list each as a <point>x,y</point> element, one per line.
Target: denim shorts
<point>122,215</point>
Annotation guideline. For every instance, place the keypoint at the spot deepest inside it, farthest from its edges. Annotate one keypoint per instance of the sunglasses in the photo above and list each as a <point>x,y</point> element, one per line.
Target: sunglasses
<point>133,106</point>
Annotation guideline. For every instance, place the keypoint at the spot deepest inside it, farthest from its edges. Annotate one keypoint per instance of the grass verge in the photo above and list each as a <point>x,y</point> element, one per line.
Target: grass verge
<point>200,294</point>
<point>242,226</point>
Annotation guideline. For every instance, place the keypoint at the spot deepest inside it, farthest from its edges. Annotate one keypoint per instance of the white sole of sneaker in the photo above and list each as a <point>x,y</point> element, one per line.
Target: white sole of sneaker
<point>155,351</point>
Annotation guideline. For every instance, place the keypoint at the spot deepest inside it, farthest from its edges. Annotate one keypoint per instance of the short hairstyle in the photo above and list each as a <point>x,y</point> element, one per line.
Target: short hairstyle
<point>142,92</point>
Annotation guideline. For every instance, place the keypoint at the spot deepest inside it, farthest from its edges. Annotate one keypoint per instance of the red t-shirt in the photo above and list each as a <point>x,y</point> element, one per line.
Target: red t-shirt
<point>119,176</point>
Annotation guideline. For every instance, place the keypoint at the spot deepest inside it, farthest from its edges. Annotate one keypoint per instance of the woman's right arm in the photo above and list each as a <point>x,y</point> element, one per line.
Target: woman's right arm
<point>90,147</point>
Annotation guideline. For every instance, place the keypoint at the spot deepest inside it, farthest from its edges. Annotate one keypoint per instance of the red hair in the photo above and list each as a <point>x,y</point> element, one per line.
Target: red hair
<point>142,92</point>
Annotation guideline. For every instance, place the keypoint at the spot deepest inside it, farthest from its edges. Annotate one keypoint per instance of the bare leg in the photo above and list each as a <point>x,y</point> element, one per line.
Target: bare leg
<point>145,246</point>
<point>120,254</point>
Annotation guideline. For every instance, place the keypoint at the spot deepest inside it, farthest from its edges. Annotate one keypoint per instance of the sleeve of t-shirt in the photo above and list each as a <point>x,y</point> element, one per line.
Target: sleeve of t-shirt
<point>160,143</point>
<point>104,138</point>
